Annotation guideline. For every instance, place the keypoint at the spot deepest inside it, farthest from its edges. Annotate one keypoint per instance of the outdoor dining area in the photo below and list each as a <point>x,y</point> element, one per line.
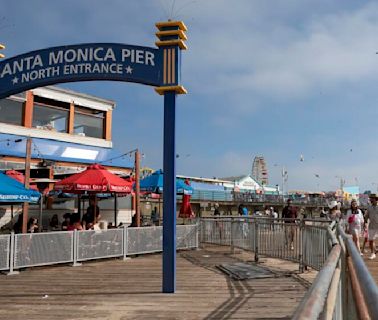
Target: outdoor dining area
<point>87,189</point>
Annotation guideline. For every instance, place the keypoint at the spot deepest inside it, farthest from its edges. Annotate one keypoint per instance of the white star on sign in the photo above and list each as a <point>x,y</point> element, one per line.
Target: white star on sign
<point>15,80</point>
<point>129,69</point>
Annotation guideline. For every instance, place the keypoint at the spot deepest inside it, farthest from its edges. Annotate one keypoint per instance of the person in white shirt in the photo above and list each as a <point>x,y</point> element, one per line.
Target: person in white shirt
<point>372,215</point>
<point>355,223</point>
<point>274,215</point>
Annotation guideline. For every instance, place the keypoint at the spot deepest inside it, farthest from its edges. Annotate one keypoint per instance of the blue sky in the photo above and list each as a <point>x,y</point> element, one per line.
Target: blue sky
<point>274,78</point>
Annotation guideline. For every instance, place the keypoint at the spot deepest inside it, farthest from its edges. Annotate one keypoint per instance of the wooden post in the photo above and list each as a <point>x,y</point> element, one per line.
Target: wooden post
<point>25,207</point>
<point>115,209</point>
<point>137,187</point>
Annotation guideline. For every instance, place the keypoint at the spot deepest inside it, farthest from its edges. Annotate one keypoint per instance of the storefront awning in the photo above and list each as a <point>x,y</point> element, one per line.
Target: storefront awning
<point>45,149</point>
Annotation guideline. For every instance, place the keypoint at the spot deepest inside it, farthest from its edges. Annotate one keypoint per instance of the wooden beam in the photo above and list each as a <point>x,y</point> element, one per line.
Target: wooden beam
<point>108,125</point>
<point>71,119</point>
<point>28,110</point>
<point>25,207</point>
<point>137,187</point>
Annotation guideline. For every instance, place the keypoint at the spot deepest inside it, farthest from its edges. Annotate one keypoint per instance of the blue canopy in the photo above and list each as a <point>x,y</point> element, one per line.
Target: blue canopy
<point>13,191</point>
<point>154,183</point>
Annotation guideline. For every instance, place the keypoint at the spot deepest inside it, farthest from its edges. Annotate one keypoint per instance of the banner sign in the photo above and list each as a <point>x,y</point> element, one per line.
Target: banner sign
<point>83,62</point>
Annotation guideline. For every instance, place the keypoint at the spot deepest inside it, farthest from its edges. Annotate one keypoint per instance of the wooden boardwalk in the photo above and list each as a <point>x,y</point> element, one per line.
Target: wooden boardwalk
<point>372,266</point>
<point>116,289</point>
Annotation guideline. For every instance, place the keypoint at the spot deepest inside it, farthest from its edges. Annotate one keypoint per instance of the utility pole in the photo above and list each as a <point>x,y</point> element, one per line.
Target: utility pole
<point>284,174</point>
<point>137,187</point>
<point>25,206</point>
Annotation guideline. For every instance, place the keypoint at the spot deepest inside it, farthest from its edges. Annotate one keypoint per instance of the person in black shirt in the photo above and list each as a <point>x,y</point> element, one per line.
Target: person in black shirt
<point>289,212</point>
<point>92,215</point>
<point>216,210</point>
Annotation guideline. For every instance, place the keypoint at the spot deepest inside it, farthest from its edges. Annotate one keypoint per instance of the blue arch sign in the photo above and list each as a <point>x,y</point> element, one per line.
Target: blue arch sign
<point>118,62</point>
<point>83,62</point>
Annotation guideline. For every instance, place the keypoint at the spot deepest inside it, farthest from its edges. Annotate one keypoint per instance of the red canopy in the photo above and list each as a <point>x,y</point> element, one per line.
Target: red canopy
<point>94,179</point>
<point>20,178</point>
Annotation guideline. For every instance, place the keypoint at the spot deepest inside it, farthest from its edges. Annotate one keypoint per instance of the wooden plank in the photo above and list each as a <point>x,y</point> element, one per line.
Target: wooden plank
<point>115,289</point>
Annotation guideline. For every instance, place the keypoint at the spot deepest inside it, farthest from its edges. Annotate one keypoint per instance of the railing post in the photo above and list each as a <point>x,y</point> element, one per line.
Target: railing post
<point>302,246</point>
<point>198,225</point>
<point>12,255</point>
<point>256,241</point>
<point>125,233</point>
<point>75,244</point>
<point>232,234</point>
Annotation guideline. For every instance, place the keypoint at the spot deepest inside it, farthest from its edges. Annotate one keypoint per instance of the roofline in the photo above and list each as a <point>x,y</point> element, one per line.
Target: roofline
<point>79,94</point>
<point>203,179</point>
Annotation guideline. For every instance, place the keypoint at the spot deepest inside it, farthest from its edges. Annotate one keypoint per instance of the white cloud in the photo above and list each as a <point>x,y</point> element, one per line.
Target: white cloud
<point>326,50</point>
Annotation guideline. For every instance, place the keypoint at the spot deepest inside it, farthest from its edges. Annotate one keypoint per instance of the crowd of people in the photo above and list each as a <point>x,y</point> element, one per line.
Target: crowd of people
<point>360,224</point>
<point>71,221</point>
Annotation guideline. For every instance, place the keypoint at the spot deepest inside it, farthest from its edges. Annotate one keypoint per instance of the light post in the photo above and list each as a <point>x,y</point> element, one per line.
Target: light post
<point>342,183</point>
<point>285,177</point>
<point>137,184</point>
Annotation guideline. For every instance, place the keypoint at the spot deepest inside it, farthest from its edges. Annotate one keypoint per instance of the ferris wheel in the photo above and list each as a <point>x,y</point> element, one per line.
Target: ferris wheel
<point>260,170</point>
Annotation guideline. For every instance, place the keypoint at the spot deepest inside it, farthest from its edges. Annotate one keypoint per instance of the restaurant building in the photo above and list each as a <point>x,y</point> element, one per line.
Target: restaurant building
<point>69,130</point>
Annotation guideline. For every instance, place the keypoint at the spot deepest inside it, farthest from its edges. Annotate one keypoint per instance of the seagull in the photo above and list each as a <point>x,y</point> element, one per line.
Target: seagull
<point>301,158</point>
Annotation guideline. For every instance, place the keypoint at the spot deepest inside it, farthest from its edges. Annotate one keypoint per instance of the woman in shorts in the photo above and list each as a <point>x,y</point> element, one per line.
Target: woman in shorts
<point>355,223</point>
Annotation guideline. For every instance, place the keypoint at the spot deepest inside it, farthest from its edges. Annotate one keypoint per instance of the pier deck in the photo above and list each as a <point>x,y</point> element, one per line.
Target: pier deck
<point>372,266</point>
<point>116,289</point>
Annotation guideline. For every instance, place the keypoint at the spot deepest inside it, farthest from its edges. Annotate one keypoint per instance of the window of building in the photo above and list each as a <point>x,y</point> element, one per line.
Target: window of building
<point>11,111</point>
<point>50,115</point>
<point>89,122</point>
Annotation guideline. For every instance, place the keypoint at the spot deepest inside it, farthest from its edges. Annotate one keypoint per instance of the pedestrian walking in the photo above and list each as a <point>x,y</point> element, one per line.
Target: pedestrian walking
<point>273,215</point>
<point>334,213</point>
<point>355,223</point>
<point>372,216</point>
<point>289,213</point>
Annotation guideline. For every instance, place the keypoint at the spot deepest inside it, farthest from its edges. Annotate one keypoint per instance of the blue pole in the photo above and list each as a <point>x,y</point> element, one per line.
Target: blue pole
<point>169,187</point>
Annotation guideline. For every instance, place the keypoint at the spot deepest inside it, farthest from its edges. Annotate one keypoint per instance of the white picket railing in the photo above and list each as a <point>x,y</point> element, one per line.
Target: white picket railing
<point>49,248</point>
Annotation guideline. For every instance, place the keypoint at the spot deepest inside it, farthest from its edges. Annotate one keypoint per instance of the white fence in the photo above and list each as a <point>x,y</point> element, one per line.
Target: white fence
<point>48,248</point>
<point>4,251</point>
<point>305,242</point>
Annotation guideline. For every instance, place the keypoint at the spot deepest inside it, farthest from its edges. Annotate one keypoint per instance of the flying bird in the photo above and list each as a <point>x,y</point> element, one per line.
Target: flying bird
<point>301,158</point>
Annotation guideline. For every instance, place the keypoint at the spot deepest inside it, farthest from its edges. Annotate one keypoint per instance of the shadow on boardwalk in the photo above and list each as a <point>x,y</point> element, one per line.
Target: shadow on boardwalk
<point>241,292</point>
<point>115,289</point>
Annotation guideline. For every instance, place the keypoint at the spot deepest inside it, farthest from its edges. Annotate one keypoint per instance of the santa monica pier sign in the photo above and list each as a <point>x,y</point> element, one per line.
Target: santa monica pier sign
<point>97,61</point>
<point>159,67</point>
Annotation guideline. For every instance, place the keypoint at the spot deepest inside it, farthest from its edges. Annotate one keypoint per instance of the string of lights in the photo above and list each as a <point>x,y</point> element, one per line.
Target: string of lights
<point>118,157</point>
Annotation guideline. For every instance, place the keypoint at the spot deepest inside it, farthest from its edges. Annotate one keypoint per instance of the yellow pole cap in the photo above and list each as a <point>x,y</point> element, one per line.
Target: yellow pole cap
<point>2,46</point>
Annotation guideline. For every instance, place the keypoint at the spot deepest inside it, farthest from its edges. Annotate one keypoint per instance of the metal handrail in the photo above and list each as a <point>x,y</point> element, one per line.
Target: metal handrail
<point>313,303</point>
<point>343,289</point>
<point>368,286</point>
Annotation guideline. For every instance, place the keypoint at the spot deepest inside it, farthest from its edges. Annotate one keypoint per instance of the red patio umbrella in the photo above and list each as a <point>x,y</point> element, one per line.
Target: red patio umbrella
<point>20,178</point>
<point>96,179</point>
<point>186,209</point>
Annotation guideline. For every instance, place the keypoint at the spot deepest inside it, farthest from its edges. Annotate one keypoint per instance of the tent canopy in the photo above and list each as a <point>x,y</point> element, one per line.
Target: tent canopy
<point>154,183</point>
<point>94,179</point>
<point>12,191</point>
